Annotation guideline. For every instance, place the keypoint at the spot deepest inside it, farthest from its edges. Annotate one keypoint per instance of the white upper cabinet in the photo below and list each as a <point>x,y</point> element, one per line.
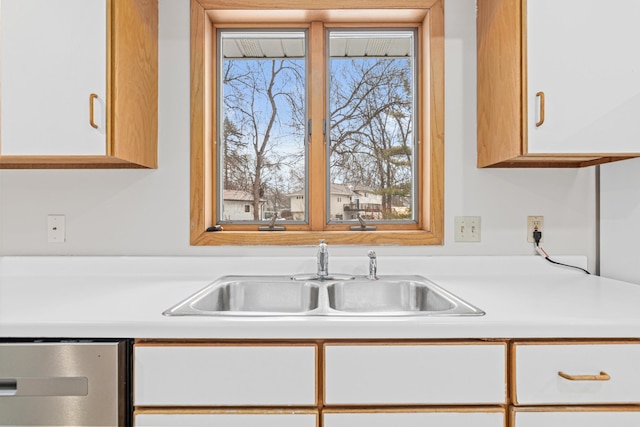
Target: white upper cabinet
<point>558,82</point>
<point>54,56</point>
<point>78,84</point>
<point>583,56</point>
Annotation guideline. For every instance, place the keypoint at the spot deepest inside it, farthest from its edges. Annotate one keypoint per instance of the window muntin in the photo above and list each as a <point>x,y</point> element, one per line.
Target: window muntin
<point>262,154</point>
<point>371,110</point>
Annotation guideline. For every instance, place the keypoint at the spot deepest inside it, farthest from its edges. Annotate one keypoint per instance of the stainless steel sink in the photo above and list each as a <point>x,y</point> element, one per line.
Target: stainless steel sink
<point>387,296</point>
<point>251,296</point>
<point>282,296</point>
<point>396,296</point>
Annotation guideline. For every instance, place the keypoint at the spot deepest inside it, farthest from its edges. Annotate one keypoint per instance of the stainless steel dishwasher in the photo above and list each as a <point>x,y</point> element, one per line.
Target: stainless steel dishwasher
<point>64,383</point>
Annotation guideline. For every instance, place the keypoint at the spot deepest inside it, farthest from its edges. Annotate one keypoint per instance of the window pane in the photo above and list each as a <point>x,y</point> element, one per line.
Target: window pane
<point>372,169</point>
<point>262,149</point>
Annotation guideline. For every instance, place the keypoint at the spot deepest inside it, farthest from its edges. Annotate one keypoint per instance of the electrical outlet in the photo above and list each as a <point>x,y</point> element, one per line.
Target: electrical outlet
<point>55,229</point>
<point>467,228</point>
<point>534,223</point>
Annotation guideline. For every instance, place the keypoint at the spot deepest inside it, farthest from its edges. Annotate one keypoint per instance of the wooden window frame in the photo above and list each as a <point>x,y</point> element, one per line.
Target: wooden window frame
<point>428,15</point>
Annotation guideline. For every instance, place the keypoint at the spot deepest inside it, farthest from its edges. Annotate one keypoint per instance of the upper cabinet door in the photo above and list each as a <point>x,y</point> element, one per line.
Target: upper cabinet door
<point>54,56</point>
<point>558,82</point>
<point>582,57</point>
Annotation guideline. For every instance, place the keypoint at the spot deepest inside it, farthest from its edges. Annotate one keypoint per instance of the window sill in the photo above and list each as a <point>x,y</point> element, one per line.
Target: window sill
<point>291,238</point>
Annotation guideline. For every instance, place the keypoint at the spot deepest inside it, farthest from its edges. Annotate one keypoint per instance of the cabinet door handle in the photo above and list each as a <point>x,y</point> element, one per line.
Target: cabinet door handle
<point>92,99</point>
<point>541,121</point>
<point>602,377</point>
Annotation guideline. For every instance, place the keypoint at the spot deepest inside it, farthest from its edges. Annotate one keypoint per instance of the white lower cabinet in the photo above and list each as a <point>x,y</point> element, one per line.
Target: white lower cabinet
<point>225,375</point>
<point>446,418</point>
<point>335,383</point>
<point>237,419</point>
<point>415,374</point>
<point>578,417</point>
<point>575,383</point>
<point>576,373</point>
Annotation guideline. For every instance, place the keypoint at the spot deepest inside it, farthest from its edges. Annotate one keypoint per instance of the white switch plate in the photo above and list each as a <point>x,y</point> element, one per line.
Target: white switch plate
<point>467,228</point>
<point>55,229</point>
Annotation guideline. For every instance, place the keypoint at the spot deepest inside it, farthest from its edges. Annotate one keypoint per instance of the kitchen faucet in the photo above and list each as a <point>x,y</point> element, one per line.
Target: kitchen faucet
<point>323,260</point>
<point>373,265</point>
<point>322,273</point>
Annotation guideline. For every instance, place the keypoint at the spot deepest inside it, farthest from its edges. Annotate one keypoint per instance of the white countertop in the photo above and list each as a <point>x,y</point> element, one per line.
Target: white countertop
<point>124,297</point>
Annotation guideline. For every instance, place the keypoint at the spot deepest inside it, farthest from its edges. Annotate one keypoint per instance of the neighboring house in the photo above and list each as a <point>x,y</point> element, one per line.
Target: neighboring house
<point>297,206</point>
<point>362,202</point>
<point>346,203</point>
<point>237,205</point>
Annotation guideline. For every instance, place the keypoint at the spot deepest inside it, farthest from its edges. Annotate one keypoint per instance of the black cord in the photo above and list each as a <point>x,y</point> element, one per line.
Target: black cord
<point>537,236</point>
<point>565,265</point>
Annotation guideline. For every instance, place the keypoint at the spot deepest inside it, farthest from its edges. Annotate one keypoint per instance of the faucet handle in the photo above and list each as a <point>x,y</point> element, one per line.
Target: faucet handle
<point>371,254</point>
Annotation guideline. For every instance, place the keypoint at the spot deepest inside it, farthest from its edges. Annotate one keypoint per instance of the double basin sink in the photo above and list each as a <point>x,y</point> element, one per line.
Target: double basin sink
<point>282,296</point>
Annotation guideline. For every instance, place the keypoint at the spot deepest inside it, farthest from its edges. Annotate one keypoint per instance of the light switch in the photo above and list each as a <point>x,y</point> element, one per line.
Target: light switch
<point>467,228</point>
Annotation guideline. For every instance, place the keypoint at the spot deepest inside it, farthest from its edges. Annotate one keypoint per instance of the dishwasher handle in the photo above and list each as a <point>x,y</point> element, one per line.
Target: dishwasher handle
<point>8,386</point>
<point>44,386</point>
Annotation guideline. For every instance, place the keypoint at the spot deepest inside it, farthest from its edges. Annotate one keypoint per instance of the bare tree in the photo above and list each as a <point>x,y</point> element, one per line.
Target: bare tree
<point>264,106</point>
<point>371,122</point>
<point>371,126</point>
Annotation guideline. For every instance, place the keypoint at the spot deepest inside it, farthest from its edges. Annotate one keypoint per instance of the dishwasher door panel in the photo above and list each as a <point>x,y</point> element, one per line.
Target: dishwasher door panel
<point>63,384</point>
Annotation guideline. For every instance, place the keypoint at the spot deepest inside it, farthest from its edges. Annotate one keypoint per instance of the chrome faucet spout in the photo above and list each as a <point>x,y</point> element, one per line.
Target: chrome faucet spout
<point>323,260</point>
<point>373,265</point>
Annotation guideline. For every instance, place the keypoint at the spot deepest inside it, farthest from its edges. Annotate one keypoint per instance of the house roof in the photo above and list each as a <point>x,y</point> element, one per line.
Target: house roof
<point>341,190</point>
<point>239,195</point>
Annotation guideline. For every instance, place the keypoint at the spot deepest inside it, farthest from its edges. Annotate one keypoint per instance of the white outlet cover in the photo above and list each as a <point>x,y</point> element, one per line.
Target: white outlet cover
<point>532,223</point>
<point>467,228</point>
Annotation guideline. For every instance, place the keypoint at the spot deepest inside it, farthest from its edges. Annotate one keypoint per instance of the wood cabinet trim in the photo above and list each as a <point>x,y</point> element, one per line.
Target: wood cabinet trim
<point>416,410</point>
<point>133,82</point>
<point>217,411</point>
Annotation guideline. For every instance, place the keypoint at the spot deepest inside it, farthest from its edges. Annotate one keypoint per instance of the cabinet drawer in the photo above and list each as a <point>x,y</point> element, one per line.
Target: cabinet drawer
<point>415,374</point>
<point>225,375</point>
<point>576,373</point>
<point>583,417</point>
<point>439,418</point>
<point>237,419</point>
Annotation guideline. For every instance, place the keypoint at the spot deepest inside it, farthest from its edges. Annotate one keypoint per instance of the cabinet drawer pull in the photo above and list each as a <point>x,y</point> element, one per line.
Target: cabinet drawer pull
<point>92,122</point>
<point>602,377</point>
<point>541,121</point>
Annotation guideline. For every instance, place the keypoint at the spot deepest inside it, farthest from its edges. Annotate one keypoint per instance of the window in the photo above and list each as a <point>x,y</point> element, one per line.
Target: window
<point>288,103</point>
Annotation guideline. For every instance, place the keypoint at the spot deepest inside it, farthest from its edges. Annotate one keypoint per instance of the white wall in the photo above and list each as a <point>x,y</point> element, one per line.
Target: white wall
<point>146,212</point>
<point>620,220</point>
